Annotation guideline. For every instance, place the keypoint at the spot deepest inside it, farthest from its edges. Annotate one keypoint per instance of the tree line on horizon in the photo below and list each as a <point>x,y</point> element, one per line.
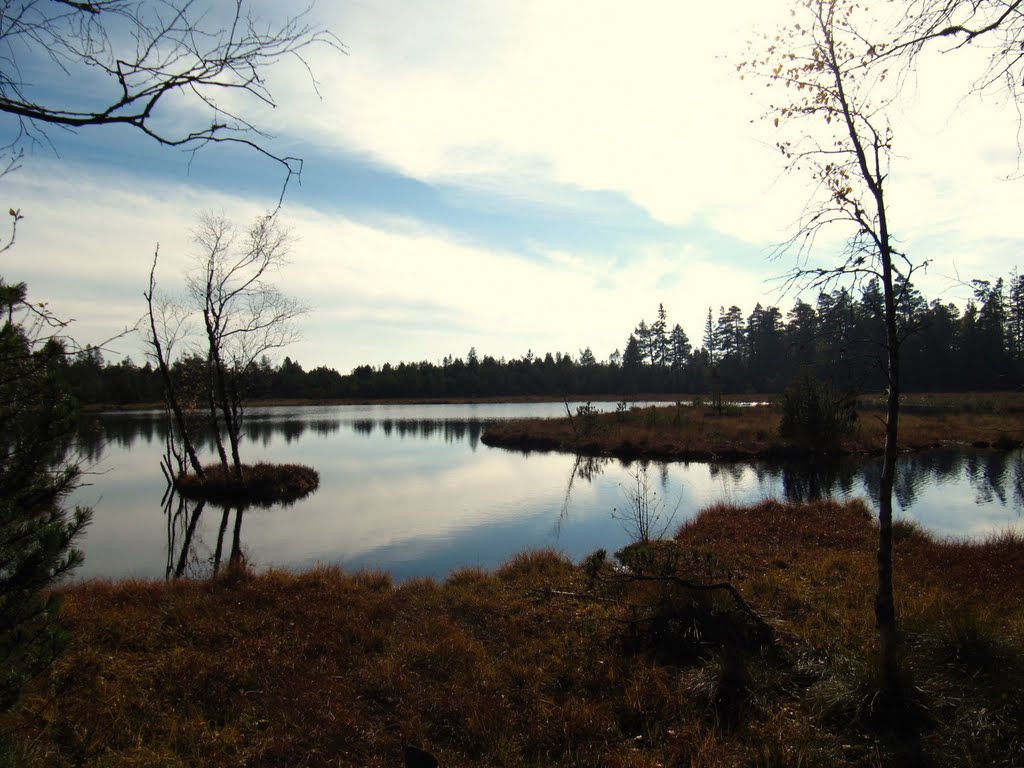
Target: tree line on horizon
<point>840,338</point>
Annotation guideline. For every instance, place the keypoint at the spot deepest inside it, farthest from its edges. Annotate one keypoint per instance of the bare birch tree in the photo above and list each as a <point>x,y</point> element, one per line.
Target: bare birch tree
<point>831,115</point>
<point>168,326</point>
<point>244,313</point>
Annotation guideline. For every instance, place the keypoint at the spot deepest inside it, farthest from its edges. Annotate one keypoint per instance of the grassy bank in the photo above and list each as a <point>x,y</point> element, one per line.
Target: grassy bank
<point>534,664</point>
<point>701,432</point>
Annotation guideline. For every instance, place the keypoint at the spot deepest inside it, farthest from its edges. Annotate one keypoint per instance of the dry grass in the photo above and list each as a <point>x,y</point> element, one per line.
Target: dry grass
<point>261,484</point>
<point>693,433</point>
<point>333,668</point>
<point>670,432</point>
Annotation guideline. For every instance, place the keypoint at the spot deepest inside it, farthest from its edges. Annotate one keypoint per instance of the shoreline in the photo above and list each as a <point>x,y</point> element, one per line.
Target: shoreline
<point>296,402</point>
<point>535,663</point>
<point>702,433</point>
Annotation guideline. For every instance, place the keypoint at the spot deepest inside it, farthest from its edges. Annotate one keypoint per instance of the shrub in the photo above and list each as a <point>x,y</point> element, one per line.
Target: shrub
<point>587,415</point>
<point>815,415</point>
<point>682,605</point>
<point>644,516</point>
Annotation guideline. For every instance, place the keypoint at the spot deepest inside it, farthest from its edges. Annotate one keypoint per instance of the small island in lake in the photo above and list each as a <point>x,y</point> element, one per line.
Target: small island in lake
<point>259,484</point>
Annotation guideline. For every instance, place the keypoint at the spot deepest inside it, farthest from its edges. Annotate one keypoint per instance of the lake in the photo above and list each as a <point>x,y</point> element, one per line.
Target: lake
<point>411,490</point>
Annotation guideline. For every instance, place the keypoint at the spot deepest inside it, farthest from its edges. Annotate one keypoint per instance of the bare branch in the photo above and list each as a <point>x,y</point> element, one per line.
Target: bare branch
<point>151,52</point>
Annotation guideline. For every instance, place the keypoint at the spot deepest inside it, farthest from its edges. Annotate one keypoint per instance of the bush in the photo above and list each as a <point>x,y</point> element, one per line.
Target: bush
<point>682,605</point>
<point>815,415</point>
<point>644,516</point>
<point>587,415</point>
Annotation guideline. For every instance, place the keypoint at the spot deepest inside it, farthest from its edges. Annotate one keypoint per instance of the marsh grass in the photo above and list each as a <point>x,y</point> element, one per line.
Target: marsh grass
<point>502,668</point>
<point>699,432</point>
<point>673,431</point>
<point>261,484</point>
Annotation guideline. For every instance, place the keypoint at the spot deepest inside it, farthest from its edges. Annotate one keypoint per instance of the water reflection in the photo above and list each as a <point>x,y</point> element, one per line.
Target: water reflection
<point>587,469</point>
<point>819,479</point>
<point>410,489</point>
<point>450,430</point>
<point>995,477</point>
<point>187,554</point>
<point>125,428</point>
<point>182,518</point>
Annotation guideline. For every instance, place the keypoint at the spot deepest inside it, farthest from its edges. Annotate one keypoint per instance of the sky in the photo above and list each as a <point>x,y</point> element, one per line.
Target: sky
<point>512,176</point>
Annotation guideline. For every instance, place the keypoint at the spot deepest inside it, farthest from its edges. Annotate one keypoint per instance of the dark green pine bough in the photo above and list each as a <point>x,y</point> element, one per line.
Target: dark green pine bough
<point>36,531</point>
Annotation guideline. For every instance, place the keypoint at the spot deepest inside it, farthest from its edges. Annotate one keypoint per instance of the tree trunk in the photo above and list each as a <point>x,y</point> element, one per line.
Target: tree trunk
<point>885,607</point>
<point>223,402</point>
<point>216,388</point>
<point>235,424</point>
<point>231,425</point>
<point>233,437</point>
<point>170,394</point>
<point>214,421</point>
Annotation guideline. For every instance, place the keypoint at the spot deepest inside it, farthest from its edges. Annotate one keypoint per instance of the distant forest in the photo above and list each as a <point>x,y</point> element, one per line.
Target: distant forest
<point>840,338</point>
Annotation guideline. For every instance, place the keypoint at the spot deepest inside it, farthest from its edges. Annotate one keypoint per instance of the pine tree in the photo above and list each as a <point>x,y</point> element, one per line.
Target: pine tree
<point>36,532</point>
<point>679,345</point>
<point>731,333</point>
<point>1015,318</point>
<point>632,358</point>
<point>711,345</point>
<point>991,329</point>
<point>659,339</point>
<point>801,332</point>
<point>644,342</point>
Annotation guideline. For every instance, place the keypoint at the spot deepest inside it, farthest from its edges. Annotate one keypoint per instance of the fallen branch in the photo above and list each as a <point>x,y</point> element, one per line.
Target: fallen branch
<point>726,586</point>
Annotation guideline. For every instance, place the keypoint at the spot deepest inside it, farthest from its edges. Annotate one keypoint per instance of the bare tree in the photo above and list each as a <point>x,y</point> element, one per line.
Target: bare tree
<point>833,95</point>
<point>994,26</point>
<point>130,62</point>
<point>244,314</point>
<point>168,325</point>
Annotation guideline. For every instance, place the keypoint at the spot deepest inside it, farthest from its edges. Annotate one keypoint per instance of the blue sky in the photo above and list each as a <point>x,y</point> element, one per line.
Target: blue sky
<point>509,176</point>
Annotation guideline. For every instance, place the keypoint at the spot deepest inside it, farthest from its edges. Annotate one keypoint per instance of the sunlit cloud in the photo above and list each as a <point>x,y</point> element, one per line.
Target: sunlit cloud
<point>643,101</point>
<point>538,177</point>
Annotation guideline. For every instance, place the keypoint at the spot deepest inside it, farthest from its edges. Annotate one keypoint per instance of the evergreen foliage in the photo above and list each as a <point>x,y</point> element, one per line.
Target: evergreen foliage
<point>36,532</point>
<point>839,336</point>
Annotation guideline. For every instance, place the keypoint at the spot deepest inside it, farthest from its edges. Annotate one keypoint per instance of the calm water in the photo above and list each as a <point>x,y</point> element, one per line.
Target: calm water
<point>411,489</point>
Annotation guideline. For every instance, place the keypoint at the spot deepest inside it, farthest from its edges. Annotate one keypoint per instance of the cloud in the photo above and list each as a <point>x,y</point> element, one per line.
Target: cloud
<point>641,100</point>
<point>528,121</point>
<point>394,289</point>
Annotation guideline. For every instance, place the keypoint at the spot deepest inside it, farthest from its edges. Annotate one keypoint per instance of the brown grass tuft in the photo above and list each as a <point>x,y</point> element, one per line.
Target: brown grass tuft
<point>508,668</point>
<point>261,484</point>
